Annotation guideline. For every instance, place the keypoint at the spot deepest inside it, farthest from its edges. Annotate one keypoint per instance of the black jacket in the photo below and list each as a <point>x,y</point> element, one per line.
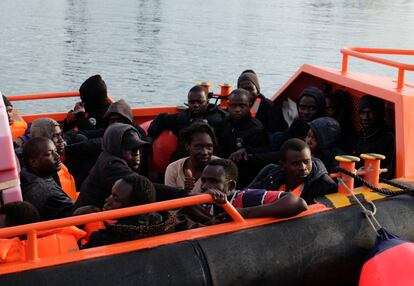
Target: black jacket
<point>381,141</point>
<point>271,116</point>
<point>317,184</point>
<point>46,195</point>
<point>232,136</point>
<point>109,168</point>
<point>177,122</point>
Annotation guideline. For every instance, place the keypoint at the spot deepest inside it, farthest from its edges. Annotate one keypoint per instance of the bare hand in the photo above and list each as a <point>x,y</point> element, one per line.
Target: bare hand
<point>239,155</point>
<point>79,107</point>
<point>189,180</point>
<point>218,196</point>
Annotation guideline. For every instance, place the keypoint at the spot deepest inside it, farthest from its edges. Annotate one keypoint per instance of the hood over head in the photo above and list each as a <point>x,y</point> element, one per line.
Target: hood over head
<point>43,127</point>
<point>375,103</point>
<point>114,135</point>
<point>326,130</point>
<point>122,108</point>
<point>93,93</point>
<point>319,97</point>
<point>249,75</point>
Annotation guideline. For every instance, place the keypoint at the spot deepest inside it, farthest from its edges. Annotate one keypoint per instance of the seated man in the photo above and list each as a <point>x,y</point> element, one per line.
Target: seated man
<point>132,190</point>
<point>18,213</point>
<point>185,173</point>
<point>88,114</point>
<point>219,179</point>
<point>121,156</point>
<point>49,128</point>
<point>240,131</point>
<point>298,172</point>
<point>198,110</point>
<point>311,104</point>
<point>376,136</point>
<point>42,162</point>
<point>263,109</point>
<point>323,139</point>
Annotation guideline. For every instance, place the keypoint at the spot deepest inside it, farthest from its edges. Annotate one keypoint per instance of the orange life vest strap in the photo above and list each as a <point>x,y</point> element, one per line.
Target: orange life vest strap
<point>255,107</point>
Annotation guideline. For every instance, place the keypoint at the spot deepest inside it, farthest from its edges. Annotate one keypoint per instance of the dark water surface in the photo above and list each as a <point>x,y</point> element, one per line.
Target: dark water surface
<point>151,52</point>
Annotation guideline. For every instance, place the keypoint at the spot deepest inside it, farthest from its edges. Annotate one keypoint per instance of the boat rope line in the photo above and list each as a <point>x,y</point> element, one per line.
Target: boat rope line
<point>370,215</point>
<point>404,189</point>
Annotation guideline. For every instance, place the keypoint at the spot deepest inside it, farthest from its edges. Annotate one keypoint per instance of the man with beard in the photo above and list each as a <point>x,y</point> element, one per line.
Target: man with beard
<point>42,162</point>
<point>297,172</point>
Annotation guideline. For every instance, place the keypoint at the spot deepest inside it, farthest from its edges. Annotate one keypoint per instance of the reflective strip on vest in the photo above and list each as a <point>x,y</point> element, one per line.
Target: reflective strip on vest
<point>255,107</point>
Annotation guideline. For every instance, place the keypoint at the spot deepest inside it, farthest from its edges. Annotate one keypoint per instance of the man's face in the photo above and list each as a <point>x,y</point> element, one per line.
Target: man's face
<point>297,165</point>
<point>120,196</point>
<point>10,114</point>
<point>238,107</point>
<point>249,86</point>
<point>197,102</point>
<point>132,157</point>
<point>312,141</point>
<point>368,118</point>
<point>214,177</point>
<point>201,148</point>
<point>47,162</point>
<point>307,108</point>
<point>57,138</point>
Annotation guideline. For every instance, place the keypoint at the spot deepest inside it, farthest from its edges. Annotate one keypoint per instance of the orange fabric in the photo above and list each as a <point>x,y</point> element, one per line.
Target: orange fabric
<point>50,243</point>
<point>19,126</point>
<point>93,227</point>
<point>297,191</point>
<point>68,182</point>
<point>255,107</point>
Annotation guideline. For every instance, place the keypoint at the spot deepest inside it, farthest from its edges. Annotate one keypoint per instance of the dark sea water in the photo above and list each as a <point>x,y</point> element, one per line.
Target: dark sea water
<point>151,52</point>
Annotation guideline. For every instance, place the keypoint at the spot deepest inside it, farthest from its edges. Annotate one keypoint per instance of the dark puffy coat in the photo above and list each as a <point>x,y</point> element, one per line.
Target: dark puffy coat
<point>317,184</point>
<point>271,116</point>
<point>46,195</point>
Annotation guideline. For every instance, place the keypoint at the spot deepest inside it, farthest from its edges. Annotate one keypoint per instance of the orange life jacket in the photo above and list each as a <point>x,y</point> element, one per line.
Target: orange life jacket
<point>297,191</point>
<point>68,182</point>
<point>50,243</point>
<point>255,107</point>
<point>19,126</point>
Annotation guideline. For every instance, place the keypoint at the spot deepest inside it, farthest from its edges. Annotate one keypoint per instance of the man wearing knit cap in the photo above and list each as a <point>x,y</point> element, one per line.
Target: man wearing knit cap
<point>49,128</point>
<point>88,114</point>
<point>268,113</point>
<point>9,108</point>
<point>375,135</point>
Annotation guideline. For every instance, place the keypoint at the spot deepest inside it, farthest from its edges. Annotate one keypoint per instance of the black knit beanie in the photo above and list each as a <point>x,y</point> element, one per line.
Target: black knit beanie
<point>7,101</point>
<point>249,75</point>
<point>93,91</point>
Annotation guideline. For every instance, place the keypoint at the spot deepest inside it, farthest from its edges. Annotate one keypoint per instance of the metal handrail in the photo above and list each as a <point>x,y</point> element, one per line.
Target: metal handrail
<point>361,53</point>
<point>31,230</point>
<point>43,96</point>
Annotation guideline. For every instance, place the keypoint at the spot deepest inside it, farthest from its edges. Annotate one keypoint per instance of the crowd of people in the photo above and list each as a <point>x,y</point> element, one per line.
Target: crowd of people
<point>250,155</point>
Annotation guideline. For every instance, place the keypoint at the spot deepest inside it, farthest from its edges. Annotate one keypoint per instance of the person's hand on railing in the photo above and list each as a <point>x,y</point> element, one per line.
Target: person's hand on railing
<point>218,196</point>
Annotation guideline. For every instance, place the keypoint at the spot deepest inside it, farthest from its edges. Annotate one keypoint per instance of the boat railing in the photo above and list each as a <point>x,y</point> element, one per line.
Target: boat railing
<point>363,53</point>
<point>32,230</point>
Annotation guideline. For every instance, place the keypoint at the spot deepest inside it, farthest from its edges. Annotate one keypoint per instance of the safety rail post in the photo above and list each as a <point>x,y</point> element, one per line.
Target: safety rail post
<point>233,213</point>
<point>225,90</point>
<point>32,250</point>
<point>348,163</point>
<point>372,169</point>
<point>344,63</point>
<point>401,75</point>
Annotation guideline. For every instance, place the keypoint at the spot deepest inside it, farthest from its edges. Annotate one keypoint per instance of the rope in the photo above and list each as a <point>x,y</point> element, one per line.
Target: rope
<point>404,189</point>
<point>370,215</point>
